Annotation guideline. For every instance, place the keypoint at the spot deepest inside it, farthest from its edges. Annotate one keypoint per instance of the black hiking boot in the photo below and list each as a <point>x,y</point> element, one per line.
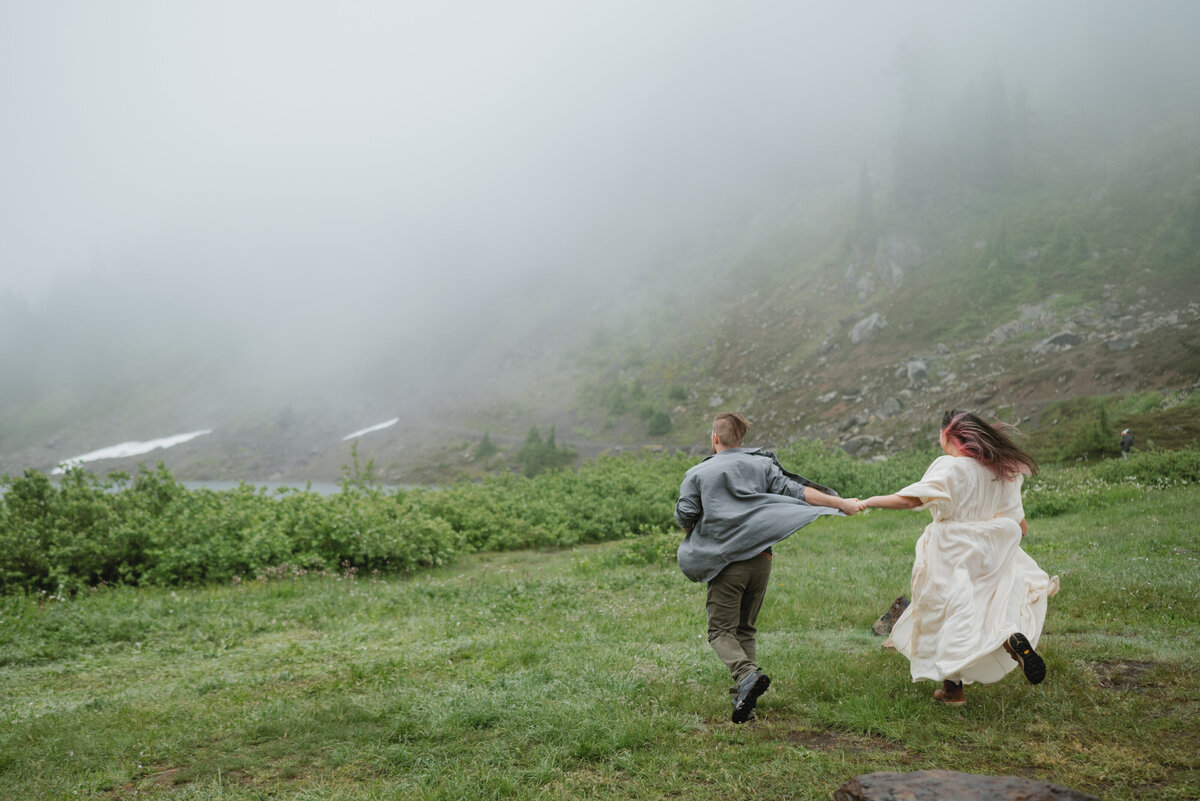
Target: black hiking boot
<point>748,691</point>
<point>733,702</point>
<point>1018,648</point>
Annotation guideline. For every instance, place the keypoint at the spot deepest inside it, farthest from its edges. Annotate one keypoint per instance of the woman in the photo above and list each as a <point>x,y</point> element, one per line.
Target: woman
<point>978,600</point>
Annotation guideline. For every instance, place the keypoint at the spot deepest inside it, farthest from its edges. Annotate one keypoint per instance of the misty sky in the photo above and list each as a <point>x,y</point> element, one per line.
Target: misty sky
<point>427,146</point>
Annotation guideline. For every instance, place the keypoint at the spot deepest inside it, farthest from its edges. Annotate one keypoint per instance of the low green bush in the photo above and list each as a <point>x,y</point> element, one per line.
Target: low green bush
<point>151,530</point>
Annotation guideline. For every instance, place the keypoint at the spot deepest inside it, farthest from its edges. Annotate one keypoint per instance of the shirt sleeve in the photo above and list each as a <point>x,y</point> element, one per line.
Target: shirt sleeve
<point>933,489</point>
<point>688,508</point>
<point>779,484</point>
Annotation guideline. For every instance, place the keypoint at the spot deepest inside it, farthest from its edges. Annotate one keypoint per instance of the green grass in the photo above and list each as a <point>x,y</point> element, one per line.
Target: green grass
<point>1088,428</point>
<point>584,673</point>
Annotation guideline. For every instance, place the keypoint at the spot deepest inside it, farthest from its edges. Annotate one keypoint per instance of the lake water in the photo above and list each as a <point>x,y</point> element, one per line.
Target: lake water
<point>271,486</point>
<point>320,488</point>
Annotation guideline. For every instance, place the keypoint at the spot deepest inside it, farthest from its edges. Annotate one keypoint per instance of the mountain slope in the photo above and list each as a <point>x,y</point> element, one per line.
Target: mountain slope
<point>854,317</point>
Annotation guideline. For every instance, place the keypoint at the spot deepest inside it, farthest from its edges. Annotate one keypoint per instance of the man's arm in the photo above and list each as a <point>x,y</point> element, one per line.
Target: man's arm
<point>848,506</point>
<point>688,508</point>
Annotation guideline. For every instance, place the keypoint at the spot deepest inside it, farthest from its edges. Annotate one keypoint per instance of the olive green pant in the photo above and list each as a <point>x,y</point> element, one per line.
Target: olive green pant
<point>734,598</point>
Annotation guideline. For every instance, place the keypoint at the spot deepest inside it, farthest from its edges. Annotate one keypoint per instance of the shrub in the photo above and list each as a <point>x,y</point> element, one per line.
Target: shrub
<point>86,532</point>
<point>659,424</point>
<point>538,455</point>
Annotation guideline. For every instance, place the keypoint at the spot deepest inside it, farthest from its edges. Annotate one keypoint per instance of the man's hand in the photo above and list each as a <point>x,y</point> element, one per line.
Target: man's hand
<point>850,506</point>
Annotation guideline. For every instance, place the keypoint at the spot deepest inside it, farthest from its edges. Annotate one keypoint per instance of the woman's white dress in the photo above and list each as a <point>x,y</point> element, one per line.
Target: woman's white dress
<point>972,584</point>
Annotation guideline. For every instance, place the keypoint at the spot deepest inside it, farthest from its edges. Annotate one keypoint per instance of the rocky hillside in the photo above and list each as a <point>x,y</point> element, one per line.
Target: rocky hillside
<point>1067,300</point>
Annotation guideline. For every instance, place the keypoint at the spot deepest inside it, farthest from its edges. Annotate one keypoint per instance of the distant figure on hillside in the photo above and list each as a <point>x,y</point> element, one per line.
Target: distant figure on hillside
<point>1126,443</point>
<point>734,506</point>
<point>978,600</point>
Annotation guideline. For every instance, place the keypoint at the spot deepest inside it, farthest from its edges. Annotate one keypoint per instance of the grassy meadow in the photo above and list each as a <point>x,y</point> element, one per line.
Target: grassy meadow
<point>583,672</point>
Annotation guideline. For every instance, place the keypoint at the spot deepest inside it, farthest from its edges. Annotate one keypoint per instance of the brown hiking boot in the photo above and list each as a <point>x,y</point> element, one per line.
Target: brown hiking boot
<point>951,693</point>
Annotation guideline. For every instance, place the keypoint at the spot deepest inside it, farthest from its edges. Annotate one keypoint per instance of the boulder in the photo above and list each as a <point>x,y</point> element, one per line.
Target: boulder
<point>1122,343</point>
<point>948,785</point>
<point>1033,312</point>
<point>1060,341</point>
<point>867,327</point>
<point>888,619</point>
<point>891,407</point>
<point>853,420</point>
<point>917,372</point>
<point>1003,332</point>
<point>861,444</point>
<point>895,253</point>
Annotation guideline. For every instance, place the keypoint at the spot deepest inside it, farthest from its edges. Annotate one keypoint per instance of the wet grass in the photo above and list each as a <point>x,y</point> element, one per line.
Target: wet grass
<point>584,674</point>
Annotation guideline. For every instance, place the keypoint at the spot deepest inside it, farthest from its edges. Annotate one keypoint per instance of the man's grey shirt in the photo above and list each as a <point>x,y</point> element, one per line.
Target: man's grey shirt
<point>738,503</point>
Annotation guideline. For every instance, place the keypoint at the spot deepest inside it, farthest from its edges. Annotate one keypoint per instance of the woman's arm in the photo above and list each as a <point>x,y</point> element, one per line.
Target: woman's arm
<point>1024,528</point>
<point>890,502</point>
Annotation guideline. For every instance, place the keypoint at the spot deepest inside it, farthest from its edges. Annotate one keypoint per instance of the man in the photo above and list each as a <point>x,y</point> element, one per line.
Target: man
<point>1126,443</point>
<point>734,506</point>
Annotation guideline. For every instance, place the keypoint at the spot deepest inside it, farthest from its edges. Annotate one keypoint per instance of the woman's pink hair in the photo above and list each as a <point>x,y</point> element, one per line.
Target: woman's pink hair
<point>989,445</point>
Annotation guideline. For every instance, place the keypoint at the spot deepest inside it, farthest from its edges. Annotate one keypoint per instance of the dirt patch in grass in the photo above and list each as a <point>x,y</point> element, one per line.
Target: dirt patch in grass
<point>173,779</point>
<point>1122,674</point>
<point>841,741</point>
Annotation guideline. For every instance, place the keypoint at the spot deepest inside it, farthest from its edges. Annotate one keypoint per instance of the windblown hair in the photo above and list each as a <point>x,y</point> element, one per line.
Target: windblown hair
<point>730,428</point>
<point>987,444</point>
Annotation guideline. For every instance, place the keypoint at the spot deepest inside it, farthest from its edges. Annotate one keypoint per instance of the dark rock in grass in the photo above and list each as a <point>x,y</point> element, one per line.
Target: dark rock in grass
<point>888,619</point>
<point>948,785</point>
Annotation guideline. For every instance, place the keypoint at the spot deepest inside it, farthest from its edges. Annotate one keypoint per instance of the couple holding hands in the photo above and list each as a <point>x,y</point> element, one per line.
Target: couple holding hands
<point>978,600</point>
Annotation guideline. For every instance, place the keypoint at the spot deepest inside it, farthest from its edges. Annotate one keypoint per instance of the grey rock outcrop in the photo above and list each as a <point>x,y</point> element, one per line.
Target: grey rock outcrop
<point>893,255</point>
<point>1122,343</point>
<point>860,419</point>
<point>891,407</point>
<point>948,785</point>
<point>1060,341</point>
<point>917,372</point>
<point>1031,317</point>
<point>861,444</point>
<point>867,327</point>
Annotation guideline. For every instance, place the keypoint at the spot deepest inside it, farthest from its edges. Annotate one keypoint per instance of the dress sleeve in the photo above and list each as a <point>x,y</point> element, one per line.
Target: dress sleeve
<point>1011,506</point>
<point>934,487</point>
